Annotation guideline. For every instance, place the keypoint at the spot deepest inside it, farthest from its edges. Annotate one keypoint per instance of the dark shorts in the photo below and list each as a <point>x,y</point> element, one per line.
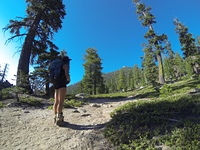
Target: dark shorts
<point>61,84</point>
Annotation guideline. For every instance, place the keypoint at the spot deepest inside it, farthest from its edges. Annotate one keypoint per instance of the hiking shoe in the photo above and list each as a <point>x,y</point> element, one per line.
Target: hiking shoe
<point>59,119</point>
<point>59,122</point>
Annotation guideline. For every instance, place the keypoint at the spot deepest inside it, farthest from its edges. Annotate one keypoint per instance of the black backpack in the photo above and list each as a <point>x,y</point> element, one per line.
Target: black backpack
<point>55,71</point>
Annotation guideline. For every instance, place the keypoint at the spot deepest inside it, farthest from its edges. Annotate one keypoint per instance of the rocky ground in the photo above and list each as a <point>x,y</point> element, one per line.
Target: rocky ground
<point>23,127</point>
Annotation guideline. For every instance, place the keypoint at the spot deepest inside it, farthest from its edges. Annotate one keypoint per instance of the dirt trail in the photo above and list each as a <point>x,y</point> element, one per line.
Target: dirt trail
<point>33,128</point>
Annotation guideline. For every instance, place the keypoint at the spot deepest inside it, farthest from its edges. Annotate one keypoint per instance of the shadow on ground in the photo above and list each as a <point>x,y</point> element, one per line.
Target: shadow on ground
<point>82,127</point>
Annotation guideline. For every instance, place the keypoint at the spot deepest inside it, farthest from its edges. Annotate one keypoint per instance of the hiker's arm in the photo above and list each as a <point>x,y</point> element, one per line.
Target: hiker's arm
<point>66,68</point>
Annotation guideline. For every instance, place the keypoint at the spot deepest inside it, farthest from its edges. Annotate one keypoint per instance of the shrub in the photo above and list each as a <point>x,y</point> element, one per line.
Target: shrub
<point>1,105</point>
<point>30,101</point>
<point>73,103</point>
<point>5,93</point>
<point>165,91</point>
<point>171,121</point>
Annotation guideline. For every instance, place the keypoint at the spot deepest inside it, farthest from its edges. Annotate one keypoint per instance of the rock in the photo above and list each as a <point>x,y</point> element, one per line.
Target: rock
<point>196,90</point>
<point>81,95</point>
<point>84,115</point>
<point>107,106</point>
<point>82,110</point>
<point>94,105</point>
<point>26,111</point>
<point>76,111</point>
<point>13,104</point>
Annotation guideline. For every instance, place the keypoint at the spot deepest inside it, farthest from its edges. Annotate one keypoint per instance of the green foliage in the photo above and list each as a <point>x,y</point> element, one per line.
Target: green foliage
<point>68,103</point>
<point>111,80</point>
<point>150,68</point>
<point>92,80</point>
<point>158,43</point>
<point>50,107</point>
<point>8,93</point>
<point>52,99</point>
<point>122,85</point>
<point>171,121</point>
<point>30,101</point>
<point>1,105</point>
<point>166,90</point>
<point>5,93</point>
<point>186,40</point>
<point>43,19</point>
<point>73,103</point>
<point>136,76</point>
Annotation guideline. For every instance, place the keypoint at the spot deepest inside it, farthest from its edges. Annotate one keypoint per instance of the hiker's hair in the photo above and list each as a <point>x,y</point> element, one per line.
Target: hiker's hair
<point>65,59</point>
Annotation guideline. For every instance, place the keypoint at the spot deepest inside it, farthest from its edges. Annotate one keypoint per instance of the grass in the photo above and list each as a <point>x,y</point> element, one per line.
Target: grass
<point>1,105</point>
<point>69,103</point>
<point>30,101</point>
<point>138,93</point>
<point>172,121</point>
<point>73,103</point>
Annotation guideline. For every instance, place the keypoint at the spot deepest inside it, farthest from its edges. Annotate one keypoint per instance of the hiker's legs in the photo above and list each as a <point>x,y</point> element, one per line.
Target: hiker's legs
<point>62,94</point>
<point>56,97</point>
<point>59,96</point>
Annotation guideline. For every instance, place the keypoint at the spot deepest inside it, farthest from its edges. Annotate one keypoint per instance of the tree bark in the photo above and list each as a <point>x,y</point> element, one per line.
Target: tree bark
<point>160,69</point>
<point>23,65</point>
<point>4,72</point>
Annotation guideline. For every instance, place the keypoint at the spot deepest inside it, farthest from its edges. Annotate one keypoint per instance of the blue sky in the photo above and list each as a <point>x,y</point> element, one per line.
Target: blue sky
<point>110,26</point>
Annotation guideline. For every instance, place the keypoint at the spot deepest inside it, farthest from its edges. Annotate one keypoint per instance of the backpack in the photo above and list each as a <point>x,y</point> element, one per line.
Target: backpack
<point>55,71</point>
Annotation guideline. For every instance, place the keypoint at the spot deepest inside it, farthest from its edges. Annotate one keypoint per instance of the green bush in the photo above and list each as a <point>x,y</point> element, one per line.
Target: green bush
<point>73,103</point>
<point>30,101</point>
<point>70,103</point>
<point>50,107</point>
<point>165,91</point>
<point>171,121</point>
<point>1,105</point>
<point>5,93</point>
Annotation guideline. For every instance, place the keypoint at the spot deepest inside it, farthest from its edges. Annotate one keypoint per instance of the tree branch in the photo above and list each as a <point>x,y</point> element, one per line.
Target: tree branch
<point>11,38</point>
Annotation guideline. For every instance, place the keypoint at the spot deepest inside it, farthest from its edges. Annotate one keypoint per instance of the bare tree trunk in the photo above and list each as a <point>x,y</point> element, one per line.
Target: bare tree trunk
<point>4,72</point>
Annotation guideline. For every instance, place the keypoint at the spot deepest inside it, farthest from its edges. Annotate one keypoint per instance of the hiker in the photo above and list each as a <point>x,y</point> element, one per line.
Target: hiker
<point>61,90</point>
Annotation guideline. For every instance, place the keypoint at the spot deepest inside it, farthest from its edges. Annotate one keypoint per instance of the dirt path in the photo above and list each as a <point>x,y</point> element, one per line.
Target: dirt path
<point>33,129</point>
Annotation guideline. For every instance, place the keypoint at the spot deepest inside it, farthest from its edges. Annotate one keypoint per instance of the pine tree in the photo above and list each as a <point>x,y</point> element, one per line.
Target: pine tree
<point>93,76</point>
<point>131,80</point>
<point>122,81</point>
<point>42,20</point>
<point>136,76</point>
<point>188,67</point>
<point>188,44</point>
<point>179,65</point>
<point>150,68</point>
<point>143,77</point>
<point>41,71</point>
<point>155,41</point>
<point>168,68</point>
<point>81,87</point>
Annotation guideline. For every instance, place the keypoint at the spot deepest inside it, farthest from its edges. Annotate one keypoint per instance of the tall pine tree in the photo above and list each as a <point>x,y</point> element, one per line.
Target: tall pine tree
<point>155,41</point>
<point>122,86</point>
<point>42,20</point>
<point>93,81</point>
<point>136,76</point>
<point>150,68</point>
<point>189,47</point>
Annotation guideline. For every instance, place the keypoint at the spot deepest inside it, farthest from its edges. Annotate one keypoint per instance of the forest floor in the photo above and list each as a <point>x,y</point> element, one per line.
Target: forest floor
<point>32,128</point>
